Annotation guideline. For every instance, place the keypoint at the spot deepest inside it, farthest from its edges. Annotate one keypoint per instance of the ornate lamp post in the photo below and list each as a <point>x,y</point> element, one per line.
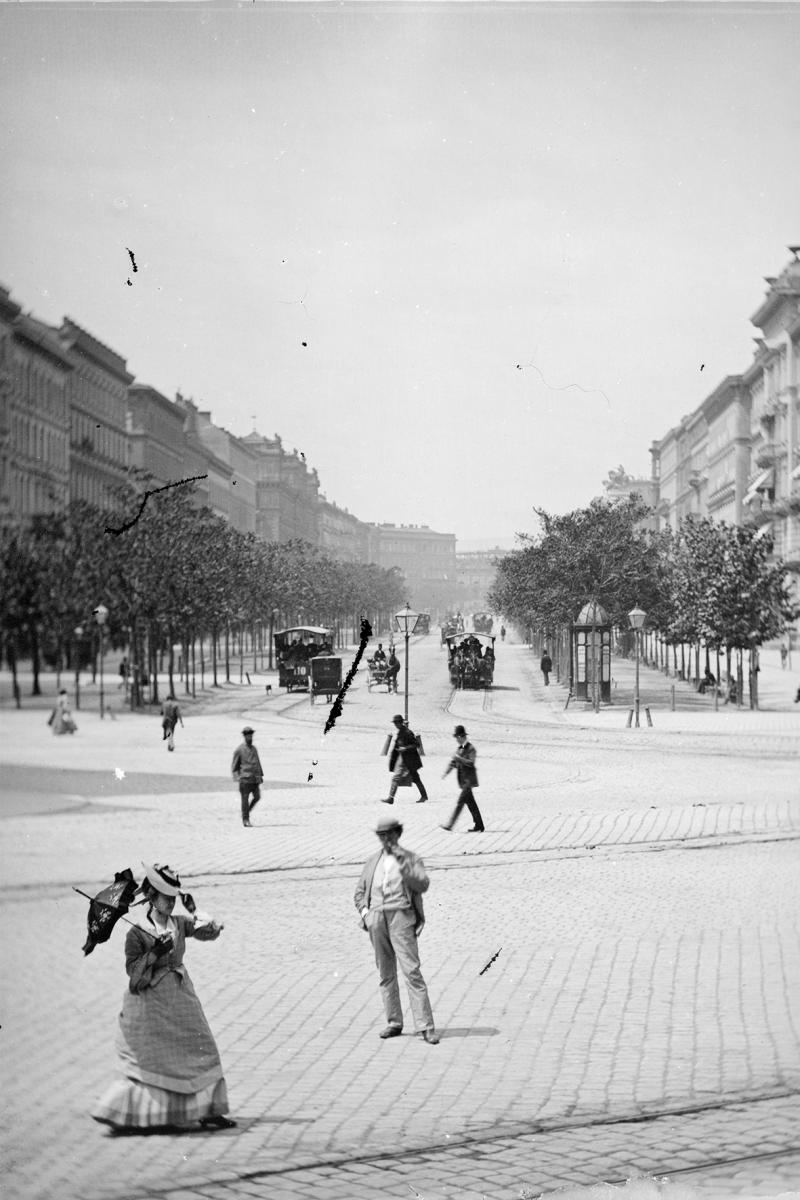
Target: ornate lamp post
<point>101,616</point>
<point>406,622</point>
<point>78,632</point>
<point>637,618</point>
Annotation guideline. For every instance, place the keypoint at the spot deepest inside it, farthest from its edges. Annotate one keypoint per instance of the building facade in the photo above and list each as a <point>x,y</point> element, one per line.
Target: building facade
<point>737,456</point>
<point>98,403</point>
<point>75,425</point>
<point>426,558</point>
<point>476,571</point>
<point>37,415</point>
<point>155,435</point>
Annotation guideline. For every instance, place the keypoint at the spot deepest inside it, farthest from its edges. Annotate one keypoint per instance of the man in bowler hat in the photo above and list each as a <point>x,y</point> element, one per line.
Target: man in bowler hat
<point>404,761</point>
<point>247,771</point>
<point>464,763</point>
<point>388,898</point>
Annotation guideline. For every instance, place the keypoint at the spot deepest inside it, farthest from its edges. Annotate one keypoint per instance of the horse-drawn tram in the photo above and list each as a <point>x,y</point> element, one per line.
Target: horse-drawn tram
<point>470,660</point>
<point>306,661</point>
<point>482,622</point>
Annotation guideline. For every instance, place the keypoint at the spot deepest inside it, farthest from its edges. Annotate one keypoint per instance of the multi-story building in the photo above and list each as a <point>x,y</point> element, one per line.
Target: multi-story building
<point>37,458</point>
<point>341,535</point>
<point>9,311</point>
<point>476,571</point>
<point>155,435</point>
<point>427,560</point>
<point>75,425</point>
<point>242,467</point>
<point>98,402</point>
<point>287,492</point>
<point>737,456</point>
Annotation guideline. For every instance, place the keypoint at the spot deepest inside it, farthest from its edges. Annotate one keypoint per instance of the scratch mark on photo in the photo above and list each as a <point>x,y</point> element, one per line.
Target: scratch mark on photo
<point>336,707</point>
<point>152,492</point>
<point>567,386</point>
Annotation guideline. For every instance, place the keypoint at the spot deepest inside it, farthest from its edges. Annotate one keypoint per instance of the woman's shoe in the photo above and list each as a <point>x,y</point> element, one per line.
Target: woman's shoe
<point>217,1123</point>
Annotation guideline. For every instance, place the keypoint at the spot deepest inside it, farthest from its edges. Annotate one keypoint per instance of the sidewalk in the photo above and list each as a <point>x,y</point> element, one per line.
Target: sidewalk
<point>777,715</point>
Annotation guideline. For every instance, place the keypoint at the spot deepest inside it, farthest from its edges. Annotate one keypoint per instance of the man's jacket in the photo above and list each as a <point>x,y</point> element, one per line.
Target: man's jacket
<point>464,762</point>
<point>415,881</point>
<point>405,748</point>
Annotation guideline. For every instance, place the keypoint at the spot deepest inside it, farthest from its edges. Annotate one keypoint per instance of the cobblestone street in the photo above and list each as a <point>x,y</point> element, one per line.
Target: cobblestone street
<point>638,889</point>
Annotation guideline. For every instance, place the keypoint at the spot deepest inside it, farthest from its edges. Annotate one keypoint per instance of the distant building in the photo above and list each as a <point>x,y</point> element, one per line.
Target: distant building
<point>341,535</point>
<point>287,492</point>
<point>155,435</point>
<point>619,485</point>
<point>476,571</point>
<point>426,558</point>
<point>37,373</point>
<point>241,464</point>
<point>99,455</point>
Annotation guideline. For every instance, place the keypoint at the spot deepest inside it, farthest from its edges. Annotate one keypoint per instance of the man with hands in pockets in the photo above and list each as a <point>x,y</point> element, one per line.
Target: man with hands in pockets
<point>388,898</point>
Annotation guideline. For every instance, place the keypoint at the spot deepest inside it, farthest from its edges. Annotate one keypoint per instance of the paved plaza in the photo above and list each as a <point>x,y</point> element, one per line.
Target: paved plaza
<point>637,891</point>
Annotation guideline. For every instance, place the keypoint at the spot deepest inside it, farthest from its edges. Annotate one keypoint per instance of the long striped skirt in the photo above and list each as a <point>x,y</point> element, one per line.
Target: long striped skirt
<point>172,1074</point>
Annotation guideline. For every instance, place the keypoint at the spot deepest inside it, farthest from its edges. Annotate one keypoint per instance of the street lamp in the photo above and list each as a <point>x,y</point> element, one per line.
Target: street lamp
<point>100,615</point>
<point>637,618</point>
<point>78,631</point>
<point>406,622</point>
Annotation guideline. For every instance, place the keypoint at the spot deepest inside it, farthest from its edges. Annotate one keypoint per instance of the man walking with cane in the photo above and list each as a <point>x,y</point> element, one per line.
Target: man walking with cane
<point>248,773</point>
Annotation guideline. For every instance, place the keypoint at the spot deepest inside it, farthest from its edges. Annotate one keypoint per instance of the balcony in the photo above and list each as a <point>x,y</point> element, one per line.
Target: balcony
<point>768,453</point>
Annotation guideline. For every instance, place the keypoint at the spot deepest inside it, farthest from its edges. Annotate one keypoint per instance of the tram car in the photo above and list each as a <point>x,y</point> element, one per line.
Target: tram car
<point>470,660</point>
<point>482,622</point>
<point>423,625</point>
<point>294,650</point>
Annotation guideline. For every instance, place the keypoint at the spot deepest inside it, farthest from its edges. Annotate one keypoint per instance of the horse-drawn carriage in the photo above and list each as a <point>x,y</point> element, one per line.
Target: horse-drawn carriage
<point>300,653</point>
<point>470,660</point>
<point>379,673</point>
<point>482,622</point>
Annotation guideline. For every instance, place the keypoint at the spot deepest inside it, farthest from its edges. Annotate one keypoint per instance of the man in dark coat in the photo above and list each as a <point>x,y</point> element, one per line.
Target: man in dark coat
<point>546,666</point>
<point>464,762</point>
<point>404,761</point>
<point>247,772</point>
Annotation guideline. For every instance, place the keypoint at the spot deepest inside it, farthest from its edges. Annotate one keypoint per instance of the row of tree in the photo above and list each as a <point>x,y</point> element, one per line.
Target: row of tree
<point>709,583</point>
<point>171,574</point>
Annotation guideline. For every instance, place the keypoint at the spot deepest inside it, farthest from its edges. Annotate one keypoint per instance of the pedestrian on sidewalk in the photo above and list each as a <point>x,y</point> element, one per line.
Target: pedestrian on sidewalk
<point>247,771</point>
<point>388,898</point>
<point>392,670</point>
<point>170,715</point>
<point>172,1074</point>
<point>464,763</point>
<point>405,762</point>
<point>546,666</point>
<point>123,674</point>
<point>61,718</point>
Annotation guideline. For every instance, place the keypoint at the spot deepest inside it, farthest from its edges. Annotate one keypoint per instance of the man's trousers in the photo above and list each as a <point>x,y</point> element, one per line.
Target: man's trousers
<point>394,941</point>
<point>245,791</point>
<point>467,798</point>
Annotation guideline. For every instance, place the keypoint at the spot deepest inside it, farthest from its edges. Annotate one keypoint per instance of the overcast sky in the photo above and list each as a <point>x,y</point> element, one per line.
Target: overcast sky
<point>466,258</point>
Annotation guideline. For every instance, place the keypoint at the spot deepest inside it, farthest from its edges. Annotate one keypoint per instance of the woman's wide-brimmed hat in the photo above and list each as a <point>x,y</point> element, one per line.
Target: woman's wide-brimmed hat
<point>163,879</point>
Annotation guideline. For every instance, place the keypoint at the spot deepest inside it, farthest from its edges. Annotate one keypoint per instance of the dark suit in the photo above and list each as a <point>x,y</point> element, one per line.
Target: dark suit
<point>405,758</point>
<point>464,762</point>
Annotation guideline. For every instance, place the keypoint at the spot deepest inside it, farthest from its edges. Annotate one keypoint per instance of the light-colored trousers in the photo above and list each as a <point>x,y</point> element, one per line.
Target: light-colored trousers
<point>394,941</point>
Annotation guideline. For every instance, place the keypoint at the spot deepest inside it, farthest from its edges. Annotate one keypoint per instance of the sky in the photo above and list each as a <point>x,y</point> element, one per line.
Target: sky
<point>466,258</point>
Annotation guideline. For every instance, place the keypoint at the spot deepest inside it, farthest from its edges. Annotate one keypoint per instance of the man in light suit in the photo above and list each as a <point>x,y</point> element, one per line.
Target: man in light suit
<point>388,898</point>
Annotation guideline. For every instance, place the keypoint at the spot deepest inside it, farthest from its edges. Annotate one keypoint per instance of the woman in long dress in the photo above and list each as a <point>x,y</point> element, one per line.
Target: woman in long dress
<point>172,1074</point>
